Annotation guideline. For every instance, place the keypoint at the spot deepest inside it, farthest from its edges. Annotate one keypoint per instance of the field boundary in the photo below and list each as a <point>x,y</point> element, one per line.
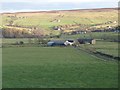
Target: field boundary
<point>100,55</point>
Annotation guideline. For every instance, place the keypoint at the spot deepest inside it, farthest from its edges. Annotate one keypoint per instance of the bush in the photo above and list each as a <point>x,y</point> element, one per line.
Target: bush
<point>21,42</point>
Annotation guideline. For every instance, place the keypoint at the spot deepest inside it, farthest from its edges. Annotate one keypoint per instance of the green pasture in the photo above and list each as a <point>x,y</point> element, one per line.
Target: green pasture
<point>56,67</point>
<point>14,40</point>
<point>95,35</point>
<point>110,48</point>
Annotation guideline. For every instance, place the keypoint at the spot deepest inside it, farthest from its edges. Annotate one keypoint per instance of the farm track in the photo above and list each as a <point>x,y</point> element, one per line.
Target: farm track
<point>104,57</point>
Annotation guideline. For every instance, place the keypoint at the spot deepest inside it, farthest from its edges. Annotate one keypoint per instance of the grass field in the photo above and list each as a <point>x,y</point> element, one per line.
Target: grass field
<point>95,35</point>
<point>48,67</point>
<point>110,48</point>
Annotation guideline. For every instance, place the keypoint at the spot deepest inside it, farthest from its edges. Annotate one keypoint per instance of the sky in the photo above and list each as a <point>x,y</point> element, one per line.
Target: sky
<point>47,5</point>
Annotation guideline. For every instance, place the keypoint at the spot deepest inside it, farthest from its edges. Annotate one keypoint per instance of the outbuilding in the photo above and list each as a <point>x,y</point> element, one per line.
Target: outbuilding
<point>87,41</point>
<point>69,42</point>
<point>56,43</point>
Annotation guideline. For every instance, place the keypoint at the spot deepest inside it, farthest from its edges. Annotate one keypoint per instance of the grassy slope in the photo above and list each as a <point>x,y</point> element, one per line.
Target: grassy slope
<point>69,17</point>
<point>60,67</point>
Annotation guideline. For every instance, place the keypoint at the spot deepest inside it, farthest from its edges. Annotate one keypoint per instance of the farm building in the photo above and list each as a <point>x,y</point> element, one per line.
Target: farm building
<point>69,42</point>
<point>56,28</point>
<point>87,41</point>
<point>56,43</point>
<point>61,43</point>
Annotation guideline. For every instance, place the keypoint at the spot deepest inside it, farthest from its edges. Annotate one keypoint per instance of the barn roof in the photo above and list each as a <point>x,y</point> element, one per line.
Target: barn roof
<point>58,41</point>
<point>85,40</point>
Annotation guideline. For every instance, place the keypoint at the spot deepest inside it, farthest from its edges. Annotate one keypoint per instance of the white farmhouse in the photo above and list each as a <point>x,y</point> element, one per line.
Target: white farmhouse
<point>69,42</point>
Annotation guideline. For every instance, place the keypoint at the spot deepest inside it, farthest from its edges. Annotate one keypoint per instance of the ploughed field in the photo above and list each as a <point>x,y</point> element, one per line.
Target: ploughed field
<point>61,67</point>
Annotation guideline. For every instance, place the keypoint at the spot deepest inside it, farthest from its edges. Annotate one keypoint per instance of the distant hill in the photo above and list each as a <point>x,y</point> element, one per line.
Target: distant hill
<point>56,11</point>
<point>53,22</point>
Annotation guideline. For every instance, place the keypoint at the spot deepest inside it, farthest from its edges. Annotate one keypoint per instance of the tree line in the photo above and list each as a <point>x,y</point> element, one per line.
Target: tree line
<point>24,33</point>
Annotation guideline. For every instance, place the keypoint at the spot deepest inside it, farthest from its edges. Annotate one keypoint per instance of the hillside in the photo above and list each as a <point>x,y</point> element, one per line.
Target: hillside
<point>53,22</point>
